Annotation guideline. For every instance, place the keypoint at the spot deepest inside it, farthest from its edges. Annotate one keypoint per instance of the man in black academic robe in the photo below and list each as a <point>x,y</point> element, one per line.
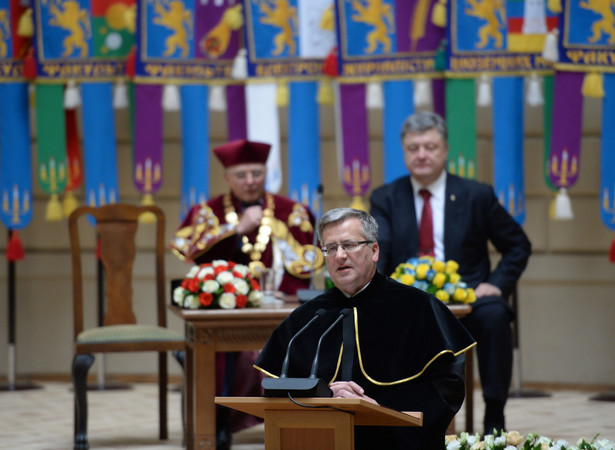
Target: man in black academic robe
<point>408,346</point>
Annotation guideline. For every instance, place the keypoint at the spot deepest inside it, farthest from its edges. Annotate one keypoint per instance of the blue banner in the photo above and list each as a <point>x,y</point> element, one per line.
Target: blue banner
<point>15,159</point>
<point>195,146</point>
<point>508,145</point>
<point>398,105</point>
<point>99,144</point>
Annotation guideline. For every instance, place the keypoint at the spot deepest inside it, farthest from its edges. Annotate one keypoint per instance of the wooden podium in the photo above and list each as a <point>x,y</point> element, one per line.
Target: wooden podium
<point>326,423</point>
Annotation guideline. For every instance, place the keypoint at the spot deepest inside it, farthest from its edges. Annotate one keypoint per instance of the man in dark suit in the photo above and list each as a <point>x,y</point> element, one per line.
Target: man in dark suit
<point>465,216</point>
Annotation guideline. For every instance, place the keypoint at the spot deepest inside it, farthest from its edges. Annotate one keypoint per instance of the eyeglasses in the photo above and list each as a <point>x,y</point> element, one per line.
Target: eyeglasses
<point>243,175</point>
<point>347,246</point>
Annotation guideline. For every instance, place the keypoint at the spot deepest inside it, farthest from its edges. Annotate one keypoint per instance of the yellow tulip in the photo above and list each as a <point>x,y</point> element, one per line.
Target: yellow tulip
<point>442,296</point>
<point>421,271</point>
<point>451,266</point>
<point>460,295</point>
<point>438,280</point>
<point>438,266</point>
<point>407,279</point>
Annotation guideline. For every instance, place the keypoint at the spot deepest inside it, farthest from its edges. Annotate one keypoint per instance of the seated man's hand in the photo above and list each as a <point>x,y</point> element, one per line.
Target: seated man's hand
<point>485,289</point>
<point>250,220</point>
<point>349,389</point>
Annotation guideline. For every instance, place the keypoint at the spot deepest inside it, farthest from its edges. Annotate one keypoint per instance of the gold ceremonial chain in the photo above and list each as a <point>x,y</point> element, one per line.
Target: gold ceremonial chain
<point>256,249</point>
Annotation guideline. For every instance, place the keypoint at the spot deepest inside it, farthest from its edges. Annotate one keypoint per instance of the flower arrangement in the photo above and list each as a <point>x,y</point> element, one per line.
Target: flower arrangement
<point>514,441</point>
<point>436,277</point>
<point>219,284</point>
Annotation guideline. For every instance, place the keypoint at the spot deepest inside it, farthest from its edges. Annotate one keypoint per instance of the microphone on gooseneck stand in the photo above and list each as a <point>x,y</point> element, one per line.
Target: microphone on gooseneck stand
<point>308,294</point>
<point>296,387</point>
<point>284,371</point>
<point>343,313</point>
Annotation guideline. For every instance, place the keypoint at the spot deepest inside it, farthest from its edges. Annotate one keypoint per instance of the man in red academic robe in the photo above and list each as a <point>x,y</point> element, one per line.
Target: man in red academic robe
<point>250,226</point>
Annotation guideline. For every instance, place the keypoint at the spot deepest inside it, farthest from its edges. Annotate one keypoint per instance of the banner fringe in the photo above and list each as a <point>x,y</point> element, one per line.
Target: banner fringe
<point>593,85</point>
<point>54,211</point>
<point>563,206</point>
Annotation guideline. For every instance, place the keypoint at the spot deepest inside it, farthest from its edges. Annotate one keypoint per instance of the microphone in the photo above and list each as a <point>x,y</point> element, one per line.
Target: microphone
<point>284,371</point>
<point>308,294</point>
<point>299,387</point>
<point>343,313</point>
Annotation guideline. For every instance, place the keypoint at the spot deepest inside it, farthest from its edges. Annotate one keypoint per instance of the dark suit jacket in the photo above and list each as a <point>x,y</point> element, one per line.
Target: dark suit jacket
<point>472,218</point>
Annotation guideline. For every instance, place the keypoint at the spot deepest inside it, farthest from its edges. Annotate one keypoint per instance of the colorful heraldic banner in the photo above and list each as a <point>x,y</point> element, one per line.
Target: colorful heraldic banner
<point>587,40</point>
<point>495,36</point>
<point>187,40</point>
<point>13,47</point>
<point>288,38</point>
<point>398,105</point>
<point>386,38</point>
<point>15,159</point>
<point>83,39</point>
<point>147,173</point>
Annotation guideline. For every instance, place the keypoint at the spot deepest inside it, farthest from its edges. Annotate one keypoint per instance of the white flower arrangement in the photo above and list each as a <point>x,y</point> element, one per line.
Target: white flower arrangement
<point>219,284</point>
<point>513,440</point>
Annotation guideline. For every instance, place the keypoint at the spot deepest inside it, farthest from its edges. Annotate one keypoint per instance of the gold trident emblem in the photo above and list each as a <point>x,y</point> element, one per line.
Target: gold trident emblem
<point>564,171</point>
<point>461,167</point>
<point>515,205</point>
<point>609,209</point>
<point>15,209</point>
<point>148,175</point>
<point>52,175</point>
<point>356,176</point>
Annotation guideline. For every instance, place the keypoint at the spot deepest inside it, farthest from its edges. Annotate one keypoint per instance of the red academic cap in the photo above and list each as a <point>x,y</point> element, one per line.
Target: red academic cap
<point>242,151</point>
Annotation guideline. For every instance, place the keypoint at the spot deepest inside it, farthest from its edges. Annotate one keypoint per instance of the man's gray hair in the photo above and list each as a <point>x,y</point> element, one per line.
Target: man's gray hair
<point>423,121</point>
<point>369,226</point>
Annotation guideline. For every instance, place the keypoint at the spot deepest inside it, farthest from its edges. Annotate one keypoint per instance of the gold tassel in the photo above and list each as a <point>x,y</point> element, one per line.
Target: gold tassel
<point>233,17</point>
<point>554,5</point>
<point>147,217</point>
<point>357,203</point>
<point>327,20</point>
<point>324,96</point>
<point>282,94</point>
<point>54,209</point>
<point>592,85</point>
<point>70,203</point>
<point>438,15</point>
<point>25,27</point>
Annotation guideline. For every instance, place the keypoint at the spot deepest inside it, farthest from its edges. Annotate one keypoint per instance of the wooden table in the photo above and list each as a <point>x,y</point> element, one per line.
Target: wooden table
<point>235,330</point>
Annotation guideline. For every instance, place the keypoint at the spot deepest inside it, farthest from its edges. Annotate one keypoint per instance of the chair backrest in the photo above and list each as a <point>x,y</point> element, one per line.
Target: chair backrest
<point>116,229</point>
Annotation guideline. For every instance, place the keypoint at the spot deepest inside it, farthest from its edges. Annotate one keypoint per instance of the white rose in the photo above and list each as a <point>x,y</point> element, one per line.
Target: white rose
<point>227,301</point>
<point>241,269</point>
<point>453,445</point>
<point>241,286</point>
<point>219,262</point>
<point>210,286</point>
<point>192,302</point>
<point>500,440</point>
<point>178,295</point>
<point>193,271</point>
<point>224,277</point>
<point>255,298</point>
<point>204,272</point>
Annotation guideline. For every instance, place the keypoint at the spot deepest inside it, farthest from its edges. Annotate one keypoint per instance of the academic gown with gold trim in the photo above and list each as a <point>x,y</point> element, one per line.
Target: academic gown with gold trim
<point>409,357</point>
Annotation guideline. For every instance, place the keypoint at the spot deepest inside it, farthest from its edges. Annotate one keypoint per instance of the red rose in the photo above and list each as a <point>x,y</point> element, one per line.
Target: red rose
<point>241,300</point>
<point>229,288</point>
<point>254,285</point>
<point>193,285</point>
<point>218,270</point>
<point>206,298</point>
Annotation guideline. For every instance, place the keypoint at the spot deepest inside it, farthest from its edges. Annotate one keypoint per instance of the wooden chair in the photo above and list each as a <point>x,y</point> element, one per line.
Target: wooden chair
<point>116,228</point>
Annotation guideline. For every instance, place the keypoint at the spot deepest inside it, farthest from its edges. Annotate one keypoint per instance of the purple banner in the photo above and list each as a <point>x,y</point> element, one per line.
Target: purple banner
<point>148,138</point>
<point>567,121</point>
<point>236,112</point>
<point>353,126</point>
